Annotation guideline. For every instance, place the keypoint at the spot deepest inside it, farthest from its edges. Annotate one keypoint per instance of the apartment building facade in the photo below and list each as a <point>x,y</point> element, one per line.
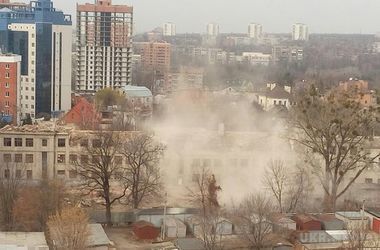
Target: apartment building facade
<point>255,31</point>
<point>37,152</point>
<point>300,32</point>
<point>10,81</point>
<point>42,36</point>
<point>169,29</point>
<point>104,46</point>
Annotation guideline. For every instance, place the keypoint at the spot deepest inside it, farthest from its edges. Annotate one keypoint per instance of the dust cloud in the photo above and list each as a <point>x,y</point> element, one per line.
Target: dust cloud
<point>224,131</point>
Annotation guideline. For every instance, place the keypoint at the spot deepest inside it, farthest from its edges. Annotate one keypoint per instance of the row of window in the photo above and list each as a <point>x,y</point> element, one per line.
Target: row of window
<point>18,158</point>
<point>18,174</point>
<point>29,142</point>
<point>61,158</point>
<point>18,142</point>
<point>84,159</point>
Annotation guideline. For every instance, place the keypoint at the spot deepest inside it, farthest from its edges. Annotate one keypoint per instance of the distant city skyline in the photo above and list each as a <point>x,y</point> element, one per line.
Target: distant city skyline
<point>277,16</point>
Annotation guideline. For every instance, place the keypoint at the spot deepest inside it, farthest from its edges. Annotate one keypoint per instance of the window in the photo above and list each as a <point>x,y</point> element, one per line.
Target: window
<point>7,85</point>
<point>61,158</point>
<point>29,174</point>
<point>7,66</point>
<point>368,180</point>
<point>73,158</point>
<point>72,174</point>
<point>7,142</point>
<point>7,173</point>
<point>18,158</point>
<point>84,159</point>
<point>44,142</point>
<point>29,142</point>
<point>18,142</point>
<point>96,143</point>
<point>61,172</point>
<point>7,75</point>
<point>18,174</point>
<point>7,158</point>
<point>274,102</point>
<point>29,158</point>
<point>84,142</point>
<point>61,142</point>
<point>7,94</point>
<point>119,160</point>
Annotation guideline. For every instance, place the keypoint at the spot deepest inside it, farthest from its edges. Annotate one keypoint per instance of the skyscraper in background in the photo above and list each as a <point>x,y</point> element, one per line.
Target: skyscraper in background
<point>42,36</point>
<point>255,30</point>
<point>104,49</point>
<point>300,32</point>
<point>168,29</point>
<point>212,29</point>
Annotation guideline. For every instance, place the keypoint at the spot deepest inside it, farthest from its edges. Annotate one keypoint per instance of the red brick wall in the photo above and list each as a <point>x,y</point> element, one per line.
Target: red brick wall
<point>8,104</point>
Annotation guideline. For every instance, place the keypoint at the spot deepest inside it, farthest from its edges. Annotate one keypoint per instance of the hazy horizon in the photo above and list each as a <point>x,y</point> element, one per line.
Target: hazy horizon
<point>276,16</point>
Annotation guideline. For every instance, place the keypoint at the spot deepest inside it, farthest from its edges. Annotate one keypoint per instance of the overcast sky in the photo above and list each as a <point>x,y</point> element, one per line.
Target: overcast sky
<point>322,16</point>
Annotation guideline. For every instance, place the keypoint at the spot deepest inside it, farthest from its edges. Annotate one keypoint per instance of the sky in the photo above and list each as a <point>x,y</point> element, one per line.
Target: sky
<point>277,16</point>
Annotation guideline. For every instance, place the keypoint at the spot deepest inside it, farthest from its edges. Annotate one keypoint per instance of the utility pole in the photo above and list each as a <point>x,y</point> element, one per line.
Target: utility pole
<point>164,219</point>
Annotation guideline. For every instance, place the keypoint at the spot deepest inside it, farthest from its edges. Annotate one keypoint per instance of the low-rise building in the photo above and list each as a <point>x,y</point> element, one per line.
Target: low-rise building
<point>256,58</point>
<point>353,219</point>
<point>307,222</point>
<point>274,96</point>
<point>174,228</point>
<point>316,240</point>
<point>330,222</point>
<point>23,240</point>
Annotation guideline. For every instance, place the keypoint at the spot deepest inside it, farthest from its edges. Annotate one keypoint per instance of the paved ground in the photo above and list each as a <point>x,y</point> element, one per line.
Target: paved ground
<point>125,240</point>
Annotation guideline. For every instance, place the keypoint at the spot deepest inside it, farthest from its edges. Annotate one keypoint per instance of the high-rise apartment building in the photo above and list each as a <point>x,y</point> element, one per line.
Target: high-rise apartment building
<point>155,60</point>
<point>154,54</point>
<point>300,32</point>
<point>212,29</point>
<point>168,29</point>
<point>255,30</point>
<point>10,81</point>
<point>104,46</point>
<point>42,36</point>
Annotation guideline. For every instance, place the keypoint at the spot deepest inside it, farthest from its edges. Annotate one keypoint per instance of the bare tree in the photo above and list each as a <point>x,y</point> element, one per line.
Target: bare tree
<point>290,187</point>
<point>142,173</point>
<point>334,130</point>
<point>276,179</point>
<point>35,204</point>
<point>205,197</point>
<point>252,220</point>
<point>101,174</point>
<point>10,185</point>
<point>68,229</point>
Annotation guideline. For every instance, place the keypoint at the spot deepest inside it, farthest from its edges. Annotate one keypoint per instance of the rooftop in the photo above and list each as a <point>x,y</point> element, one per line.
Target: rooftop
<point>22,240</point>
<point>97,236</point>
<point>350,215</point>
<point>315,237</point>
<point>189,244</point>
<point>169,211</point>
<point>137,91</point>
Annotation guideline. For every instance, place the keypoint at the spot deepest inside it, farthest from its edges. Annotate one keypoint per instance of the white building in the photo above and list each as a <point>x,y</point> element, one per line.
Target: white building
<point>169,29</point>
<point>212,29</point>
<point>275,96</point>
<point>300,32</point>
<point>257,58</point>
<point>255,30</point>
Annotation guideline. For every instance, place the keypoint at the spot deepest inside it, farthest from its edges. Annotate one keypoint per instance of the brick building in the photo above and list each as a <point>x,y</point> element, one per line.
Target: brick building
<point>10,77</point>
